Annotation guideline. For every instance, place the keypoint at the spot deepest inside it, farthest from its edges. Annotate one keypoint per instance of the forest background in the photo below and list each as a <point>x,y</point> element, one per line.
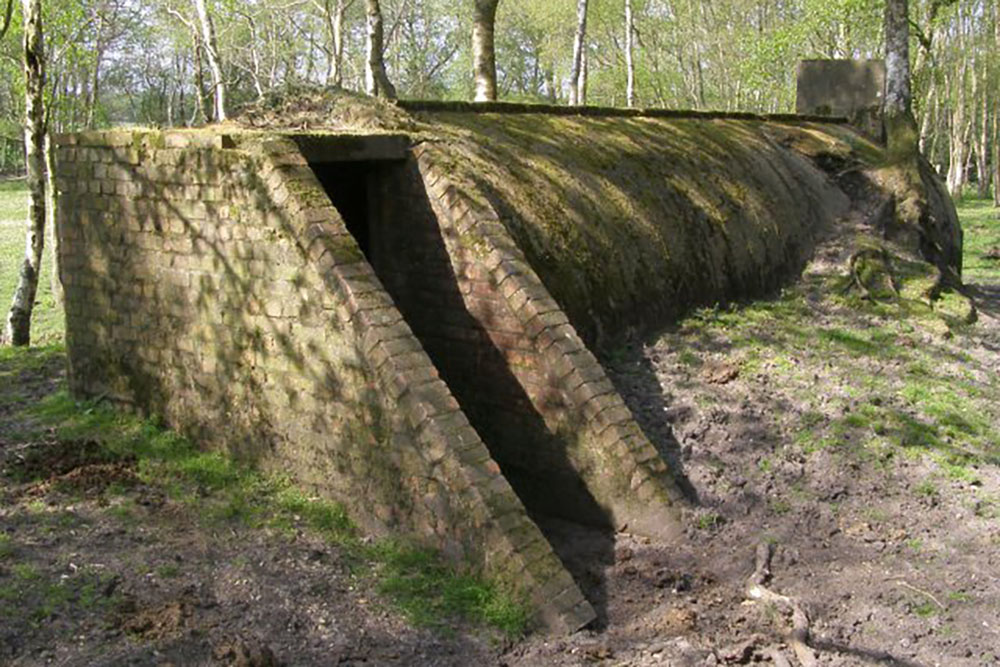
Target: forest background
<point>114,62</point>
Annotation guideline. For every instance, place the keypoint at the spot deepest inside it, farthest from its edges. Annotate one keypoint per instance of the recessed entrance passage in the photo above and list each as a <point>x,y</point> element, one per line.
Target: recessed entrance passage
<point>462,322</point>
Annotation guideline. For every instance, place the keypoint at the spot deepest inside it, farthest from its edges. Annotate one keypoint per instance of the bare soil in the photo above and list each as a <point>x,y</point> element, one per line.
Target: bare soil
<point>856,447</point>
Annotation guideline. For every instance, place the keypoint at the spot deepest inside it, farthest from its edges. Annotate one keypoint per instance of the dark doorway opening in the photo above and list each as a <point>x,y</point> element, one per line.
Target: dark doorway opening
<point>348,184</point>
<point>385,205</point>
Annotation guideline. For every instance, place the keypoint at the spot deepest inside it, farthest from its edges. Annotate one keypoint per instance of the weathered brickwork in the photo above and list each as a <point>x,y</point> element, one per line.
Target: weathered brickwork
<point>210,280</point>
<point>591,430</point>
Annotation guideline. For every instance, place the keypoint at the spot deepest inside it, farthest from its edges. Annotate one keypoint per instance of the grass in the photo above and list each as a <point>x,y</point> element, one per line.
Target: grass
<point>39,595</point>
<point>222,492</point>
<point>981,223</point>
<point>813,337</point>
<point>47,322</point>
<point>427,590</point>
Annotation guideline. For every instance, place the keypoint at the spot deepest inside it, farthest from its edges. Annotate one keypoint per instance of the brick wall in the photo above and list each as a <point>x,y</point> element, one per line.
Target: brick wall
<point>583,429</point>
<point>478,342</point>
<point>210,281</point>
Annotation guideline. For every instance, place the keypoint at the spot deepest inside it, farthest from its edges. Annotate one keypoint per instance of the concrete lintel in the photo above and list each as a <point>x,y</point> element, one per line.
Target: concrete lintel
<point>321,147</point>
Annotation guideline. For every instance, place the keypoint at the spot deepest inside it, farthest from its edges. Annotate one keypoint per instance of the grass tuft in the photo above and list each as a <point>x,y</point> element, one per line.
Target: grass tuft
<point>428,590</point>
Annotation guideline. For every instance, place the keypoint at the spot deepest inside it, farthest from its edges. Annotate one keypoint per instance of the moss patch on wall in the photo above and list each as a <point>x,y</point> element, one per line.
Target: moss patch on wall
<point>630,221</point>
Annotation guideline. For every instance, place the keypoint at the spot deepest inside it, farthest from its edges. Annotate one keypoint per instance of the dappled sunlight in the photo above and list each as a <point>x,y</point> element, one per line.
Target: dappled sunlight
<point>657,216</point>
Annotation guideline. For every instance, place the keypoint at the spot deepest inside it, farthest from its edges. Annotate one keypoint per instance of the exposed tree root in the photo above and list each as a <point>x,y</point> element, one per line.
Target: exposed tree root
<point>798,637</point>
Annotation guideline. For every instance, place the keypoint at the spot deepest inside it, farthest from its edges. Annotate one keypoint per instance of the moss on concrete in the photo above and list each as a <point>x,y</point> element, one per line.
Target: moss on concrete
<point>629,221</point>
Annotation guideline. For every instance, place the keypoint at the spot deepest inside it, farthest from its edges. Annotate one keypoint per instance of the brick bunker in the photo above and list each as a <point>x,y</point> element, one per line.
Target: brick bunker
<point>396,316</point>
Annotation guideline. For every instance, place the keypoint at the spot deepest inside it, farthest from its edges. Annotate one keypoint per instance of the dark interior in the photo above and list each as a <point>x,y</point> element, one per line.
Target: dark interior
<point>385,206</point>
<point>347,185</point>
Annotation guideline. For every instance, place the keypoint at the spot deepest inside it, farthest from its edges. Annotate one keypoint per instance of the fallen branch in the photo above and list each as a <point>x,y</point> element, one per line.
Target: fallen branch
<point>922,592</point>
<point>798,638</point>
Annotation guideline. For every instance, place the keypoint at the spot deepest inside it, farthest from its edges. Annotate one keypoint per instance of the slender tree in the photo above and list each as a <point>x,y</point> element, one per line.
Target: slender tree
<point>484,60</point>
<point>629,56</point>
<point>333,17</point>
<point>17,330</point>
<point>577,77</point>
<point>901,128</point>
<point>996,111</point>
<point>211,48</point>
<point>376,80</point>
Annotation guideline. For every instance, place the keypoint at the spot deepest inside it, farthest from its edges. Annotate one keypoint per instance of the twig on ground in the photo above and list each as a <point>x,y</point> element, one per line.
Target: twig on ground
<point>798,638</point>
<point>922,592</point>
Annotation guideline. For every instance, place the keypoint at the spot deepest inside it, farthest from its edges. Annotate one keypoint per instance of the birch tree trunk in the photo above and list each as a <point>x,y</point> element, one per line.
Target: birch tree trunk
<point>17,330</point>
<point>214,64</point>
<point>958,138</point>
<point>996,111</point>
<point>377,82</point>
<point>982,138</point>
<point>629,61</point>
<point>576,75</point>
<point>335,26</point>
<point>901,127</point>
<point>484,61</point>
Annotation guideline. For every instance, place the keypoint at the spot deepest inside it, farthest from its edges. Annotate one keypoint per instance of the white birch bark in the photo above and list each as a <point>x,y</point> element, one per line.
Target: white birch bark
<point>484,62</point>
<point>214,62</point>
<point>576,75</point>
<point>629,59</point>
<point>17,329</point>
<point>901,128</point>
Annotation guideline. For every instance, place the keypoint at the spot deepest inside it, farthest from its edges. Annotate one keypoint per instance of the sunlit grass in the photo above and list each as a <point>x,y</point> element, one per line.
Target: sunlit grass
<point>981,223</point>
<point>222,491</point>
<point>47,322</point>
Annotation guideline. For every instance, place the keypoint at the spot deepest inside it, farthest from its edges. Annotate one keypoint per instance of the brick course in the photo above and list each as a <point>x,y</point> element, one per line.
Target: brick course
<point>209,280</point>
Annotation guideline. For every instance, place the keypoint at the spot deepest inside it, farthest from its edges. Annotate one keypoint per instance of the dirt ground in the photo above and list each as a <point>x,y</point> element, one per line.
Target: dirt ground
<point>841,464</point>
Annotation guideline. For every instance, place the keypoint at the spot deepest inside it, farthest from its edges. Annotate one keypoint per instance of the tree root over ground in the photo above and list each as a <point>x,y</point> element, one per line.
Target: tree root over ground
<point>798,637</point>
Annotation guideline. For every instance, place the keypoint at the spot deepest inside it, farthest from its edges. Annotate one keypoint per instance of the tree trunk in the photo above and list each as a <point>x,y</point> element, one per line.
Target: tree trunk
<point>214,64</point>
<point>576,72</point>
<point>927,121</point>
<point>51,202</point>
<point>17,330</point>
<point>982,139</point>
<point>7,14</point>
<point>377,82</point>
<point>901,127</point>
<point>200,114</point>
<point>484,61</point>
<point>95,76</point>
<point>629,61</point>
<point>335,27</point>
<point>996,112</point>
<point>958,138</point>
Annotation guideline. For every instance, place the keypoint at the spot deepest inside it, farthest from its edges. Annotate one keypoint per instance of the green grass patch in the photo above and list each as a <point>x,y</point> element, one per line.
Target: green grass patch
<point>429,591</point>
<point>981,223</point>
<point>221,490</point>
<point>47,320</point>
<point>38,595</point>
